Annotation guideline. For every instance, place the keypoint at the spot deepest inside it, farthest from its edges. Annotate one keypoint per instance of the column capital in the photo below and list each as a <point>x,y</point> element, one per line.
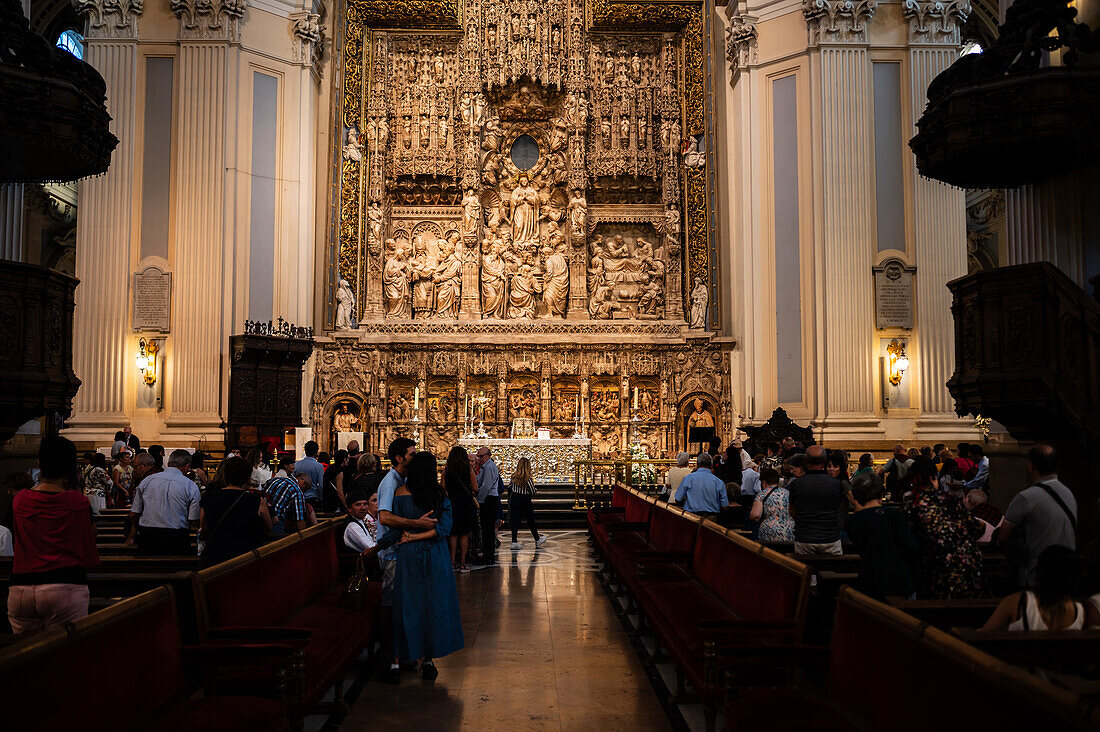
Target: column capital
<point>740,44</point>
<point>309,39</point>
<point>214,20</point>
<point>936,21</point>
<point>111,18</point>
<point>837,21</point>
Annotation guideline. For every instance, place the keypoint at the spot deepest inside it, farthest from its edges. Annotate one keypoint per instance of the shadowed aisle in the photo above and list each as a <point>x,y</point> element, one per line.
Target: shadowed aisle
<point>544,651</point>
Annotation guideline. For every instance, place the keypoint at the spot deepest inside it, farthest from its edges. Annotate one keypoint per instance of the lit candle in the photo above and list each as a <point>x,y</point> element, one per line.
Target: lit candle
<point>635,398</point>
<point>416,399</point>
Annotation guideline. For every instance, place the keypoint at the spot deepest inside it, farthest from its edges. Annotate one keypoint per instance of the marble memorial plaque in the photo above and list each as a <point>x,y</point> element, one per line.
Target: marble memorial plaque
<point>152,300</point>
<point>894,294</point>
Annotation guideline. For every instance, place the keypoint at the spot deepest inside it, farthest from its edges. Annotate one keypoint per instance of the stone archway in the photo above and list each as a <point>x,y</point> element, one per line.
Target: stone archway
<point>323,432</point>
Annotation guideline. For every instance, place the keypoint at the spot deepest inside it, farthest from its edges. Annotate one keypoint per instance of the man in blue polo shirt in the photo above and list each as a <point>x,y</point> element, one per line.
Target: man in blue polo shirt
<point>316,473</point>
<point>703,492</point>
<point>401,451</point>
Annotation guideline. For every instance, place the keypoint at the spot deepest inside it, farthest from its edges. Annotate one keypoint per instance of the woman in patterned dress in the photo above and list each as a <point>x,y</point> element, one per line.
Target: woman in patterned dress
<point>122,479</point>
<point>771,508</point>
<point>951,563</point>
<point>97,483</point>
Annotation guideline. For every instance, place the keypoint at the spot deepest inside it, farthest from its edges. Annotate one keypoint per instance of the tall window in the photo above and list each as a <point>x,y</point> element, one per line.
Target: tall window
<point>72,42</point>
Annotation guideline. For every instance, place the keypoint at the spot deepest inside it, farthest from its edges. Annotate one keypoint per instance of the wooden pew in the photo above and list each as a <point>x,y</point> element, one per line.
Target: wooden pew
<point>947,614</point>
<point>123,669</point>
<point>1064,651</point>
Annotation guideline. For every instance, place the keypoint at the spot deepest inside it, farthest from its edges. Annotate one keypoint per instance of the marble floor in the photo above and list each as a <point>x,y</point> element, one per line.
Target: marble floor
<point>544,651</point>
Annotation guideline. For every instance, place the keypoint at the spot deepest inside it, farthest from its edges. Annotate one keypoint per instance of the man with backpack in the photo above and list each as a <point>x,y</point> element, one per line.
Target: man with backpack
<point>894,471</point>
<point>1046,512</point>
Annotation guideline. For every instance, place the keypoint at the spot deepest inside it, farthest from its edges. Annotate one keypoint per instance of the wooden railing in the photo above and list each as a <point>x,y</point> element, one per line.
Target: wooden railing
<point>595,479</point>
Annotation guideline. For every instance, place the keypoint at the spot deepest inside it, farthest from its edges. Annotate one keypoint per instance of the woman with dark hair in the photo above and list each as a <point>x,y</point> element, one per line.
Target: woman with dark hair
<point>866,464</point>
<point>332,495</point>
<point>261,473</point>
<point>197,472</point>
<point>836,465</point>
<point>122,477</point>
<point>233,520</point>
<point>1052,605</point>
<point>425,605</point>
<point>951,564</point>
<point>54,544</point>
<point>459,482</point>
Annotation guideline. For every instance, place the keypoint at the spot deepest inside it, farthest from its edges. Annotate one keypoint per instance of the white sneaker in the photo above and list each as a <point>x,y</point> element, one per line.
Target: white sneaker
<point>516,545</point>
<point>541,540</point>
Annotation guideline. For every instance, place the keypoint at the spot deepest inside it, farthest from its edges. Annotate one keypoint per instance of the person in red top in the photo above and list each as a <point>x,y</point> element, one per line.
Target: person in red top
<point>54,544</point>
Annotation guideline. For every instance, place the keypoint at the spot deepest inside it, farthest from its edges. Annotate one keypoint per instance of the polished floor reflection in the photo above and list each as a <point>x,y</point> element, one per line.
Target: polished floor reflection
<point>544,651</point>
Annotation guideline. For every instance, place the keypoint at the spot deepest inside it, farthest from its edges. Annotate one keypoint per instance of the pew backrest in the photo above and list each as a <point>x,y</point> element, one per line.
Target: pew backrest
<point>637,508</point>
<point>269,584</point>
<point>758,583</point>
<point>671,529</point>
<point>117,669</point>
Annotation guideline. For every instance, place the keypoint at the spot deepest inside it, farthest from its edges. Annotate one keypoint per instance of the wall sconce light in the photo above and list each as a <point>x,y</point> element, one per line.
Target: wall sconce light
<point>897,363</point>
<point>147,360</point>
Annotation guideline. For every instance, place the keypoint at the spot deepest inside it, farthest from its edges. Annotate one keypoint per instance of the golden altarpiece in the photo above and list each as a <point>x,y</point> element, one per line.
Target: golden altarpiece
<point>522,223</point>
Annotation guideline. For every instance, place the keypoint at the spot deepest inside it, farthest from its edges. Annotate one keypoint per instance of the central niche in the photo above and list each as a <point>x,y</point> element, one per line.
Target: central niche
<point>525,152</point>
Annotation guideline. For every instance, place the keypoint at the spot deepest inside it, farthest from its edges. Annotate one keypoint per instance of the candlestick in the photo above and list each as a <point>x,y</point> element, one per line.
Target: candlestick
<point>416,399</point>
<point>635,397</point>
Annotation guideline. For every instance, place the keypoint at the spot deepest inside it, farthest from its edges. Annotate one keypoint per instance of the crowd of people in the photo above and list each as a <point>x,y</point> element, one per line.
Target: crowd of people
<point>413,531</point>
<point>919,521</point>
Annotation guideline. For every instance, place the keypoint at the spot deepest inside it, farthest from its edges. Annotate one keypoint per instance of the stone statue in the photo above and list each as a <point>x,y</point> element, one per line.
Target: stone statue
<point>624,130</point>
<point>395,284</point>
<point>448,279</point>
<point>422,265</point>
<point>555,289</point>
<point>653,297</point>
<point>465,111</point>
<point>471,212</point>
<point>701,417</point>
<point>524,206</point>
<point>578,214</point>
<point>636,68</point>
<point>600,305</point>
<point>439,67</point>
<point>375,219</point>
<point>559,133</point>
<point>695,157</point>
<point>493,135</point>
<point>523,299</point>
<point>642,249</point>
<point>700,293</point>
<point>493,280</point>
<point>343,420</point>
<point>673,137</point>
<point>479,110</point>
<point>345,306</point>
<point>443,132</point>
<point>672,229</point>
<point>353,150</point>
<point>605,133</point>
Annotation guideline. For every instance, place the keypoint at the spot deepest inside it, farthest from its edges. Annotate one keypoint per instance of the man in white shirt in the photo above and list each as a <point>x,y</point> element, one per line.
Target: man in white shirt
<point>357,536</point>
<point>165,509</point>
<point>746,459</point>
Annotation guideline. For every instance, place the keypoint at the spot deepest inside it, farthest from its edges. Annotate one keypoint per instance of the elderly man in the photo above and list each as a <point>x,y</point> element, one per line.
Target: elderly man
<point>488,495</point>
<point>703,492</point>
<point>677,474</point>
<point>814,502</point>
<point>165,509</point>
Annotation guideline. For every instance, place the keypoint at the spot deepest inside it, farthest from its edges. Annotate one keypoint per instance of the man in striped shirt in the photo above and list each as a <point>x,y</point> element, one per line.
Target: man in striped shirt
<point>287,501</point>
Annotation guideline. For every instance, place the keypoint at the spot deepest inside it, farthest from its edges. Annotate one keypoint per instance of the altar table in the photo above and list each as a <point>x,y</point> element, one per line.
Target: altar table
<point>552,461</point>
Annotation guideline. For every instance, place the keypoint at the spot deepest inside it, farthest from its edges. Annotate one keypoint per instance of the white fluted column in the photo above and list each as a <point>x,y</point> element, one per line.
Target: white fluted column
<point>845,232</point>
<point>102,355</point>
<point>939,213</point>
<point>194,358</point>
<point>11,222</point>
<point>1044,223</point>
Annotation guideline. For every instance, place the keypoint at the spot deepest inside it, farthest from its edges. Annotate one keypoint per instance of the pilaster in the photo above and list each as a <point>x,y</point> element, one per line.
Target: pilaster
<point>844,206</point>
<point>101,342</point>
<point>205,152</point>
<point>939,212</point>
<point>11,222</point>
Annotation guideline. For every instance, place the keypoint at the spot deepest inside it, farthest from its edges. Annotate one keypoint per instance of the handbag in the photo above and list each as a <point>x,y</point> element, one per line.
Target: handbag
<point>354,596</point>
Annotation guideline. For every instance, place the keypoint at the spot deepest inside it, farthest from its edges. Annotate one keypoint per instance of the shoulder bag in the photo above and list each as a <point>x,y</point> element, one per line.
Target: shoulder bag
<point>354,596</point>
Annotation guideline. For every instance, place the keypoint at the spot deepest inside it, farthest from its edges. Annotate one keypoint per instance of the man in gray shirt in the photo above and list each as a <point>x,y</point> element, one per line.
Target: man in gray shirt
<point>1047,510</point>
<point>488,495</point>
<point>165,509</point>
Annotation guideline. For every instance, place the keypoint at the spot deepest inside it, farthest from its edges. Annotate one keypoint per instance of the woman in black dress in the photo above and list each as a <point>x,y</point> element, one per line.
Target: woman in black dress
<point>458,481</point>
<point>233,520</point>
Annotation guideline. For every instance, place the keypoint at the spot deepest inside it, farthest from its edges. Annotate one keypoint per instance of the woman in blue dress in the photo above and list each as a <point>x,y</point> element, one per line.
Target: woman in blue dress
<point>425,606</point>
